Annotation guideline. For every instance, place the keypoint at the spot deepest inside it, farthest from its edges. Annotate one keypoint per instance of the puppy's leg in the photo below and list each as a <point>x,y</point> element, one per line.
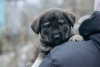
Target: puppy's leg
<point>76,38</point>
<point>33,57</point>
<point>42,53</point>
<point>39,60</point>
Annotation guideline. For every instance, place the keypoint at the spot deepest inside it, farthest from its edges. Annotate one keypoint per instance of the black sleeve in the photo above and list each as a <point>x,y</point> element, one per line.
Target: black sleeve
<point>47,62</point>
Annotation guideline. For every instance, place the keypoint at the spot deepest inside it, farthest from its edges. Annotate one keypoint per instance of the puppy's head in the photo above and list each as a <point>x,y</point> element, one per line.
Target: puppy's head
<point>54,25</point>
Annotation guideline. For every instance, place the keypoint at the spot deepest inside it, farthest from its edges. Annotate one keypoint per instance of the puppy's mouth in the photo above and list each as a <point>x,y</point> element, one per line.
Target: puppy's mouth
<point>57,42</point>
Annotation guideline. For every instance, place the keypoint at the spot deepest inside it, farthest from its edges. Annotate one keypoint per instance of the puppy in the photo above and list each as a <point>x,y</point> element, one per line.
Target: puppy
<point>55,27</point>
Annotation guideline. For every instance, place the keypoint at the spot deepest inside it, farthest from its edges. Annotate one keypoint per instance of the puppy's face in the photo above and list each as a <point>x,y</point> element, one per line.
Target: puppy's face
<point>55,27</point>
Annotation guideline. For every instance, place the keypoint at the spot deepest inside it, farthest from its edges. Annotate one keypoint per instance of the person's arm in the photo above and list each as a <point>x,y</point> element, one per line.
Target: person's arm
<point>97,5</point>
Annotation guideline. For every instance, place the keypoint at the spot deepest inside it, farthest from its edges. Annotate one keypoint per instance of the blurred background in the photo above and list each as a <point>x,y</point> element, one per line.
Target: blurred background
<point>16,37</point>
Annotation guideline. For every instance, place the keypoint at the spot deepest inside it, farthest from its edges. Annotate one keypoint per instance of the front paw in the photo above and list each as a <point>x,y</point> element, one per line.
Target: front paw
<point>37,62</point>
<point>76,38</point>
<point>34,65</point>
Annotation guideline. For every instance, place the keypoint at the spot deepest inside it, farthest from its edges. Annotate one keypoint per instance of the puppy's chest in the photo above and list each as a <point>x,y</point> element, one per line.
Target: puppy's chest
<point>45,49</point>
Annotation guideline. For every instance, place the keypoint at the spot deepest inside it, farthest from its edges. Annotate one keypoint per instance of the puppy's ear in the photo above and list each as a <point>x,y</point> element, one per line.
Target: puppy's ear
<point>35,25</point>
<point>36,22</point>
<point>70,16</point>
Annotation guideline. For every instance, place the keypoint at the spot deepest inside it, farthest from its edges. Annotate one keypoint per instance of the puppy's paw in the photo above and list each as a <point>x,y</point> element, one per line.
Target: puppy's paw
<point>37,62</point>
<point>76,38</point>
<point>34,65</point>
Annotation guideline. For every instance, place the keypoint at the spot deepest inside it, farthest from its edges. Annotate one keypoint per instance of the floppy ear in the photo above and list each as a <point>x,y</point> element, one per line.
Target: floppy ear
<point>36,22</point>
<point>70,16</point>
<point>35,25</point>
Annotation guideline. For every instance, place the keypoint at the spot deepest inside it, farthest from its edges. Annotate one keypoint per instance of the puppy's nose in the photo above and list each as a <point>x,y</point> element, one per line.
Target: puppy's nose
<point>56,37</point>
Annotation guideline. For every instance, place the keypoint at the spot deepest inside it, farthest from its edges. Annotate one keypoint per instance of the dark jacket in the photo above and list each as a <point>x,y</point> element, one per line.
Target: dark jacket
<point>78,54</point>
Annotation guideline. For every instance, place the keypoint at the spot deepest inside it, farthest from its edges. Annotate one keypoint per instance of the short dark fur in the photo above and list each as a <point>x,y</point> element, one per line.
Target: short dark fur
<point>54,26</point>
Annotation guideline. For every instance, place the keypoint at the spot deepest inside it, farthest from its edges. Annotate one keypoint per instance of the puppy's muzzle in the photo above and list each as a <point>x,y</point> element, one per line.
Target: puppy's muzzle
<point>56,37</point>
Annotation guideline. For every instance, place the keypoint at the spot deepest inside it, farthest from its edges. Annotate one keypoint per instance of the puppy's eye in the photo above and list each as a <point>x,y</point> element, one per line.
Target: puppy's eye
<point>61,22</point>
<point>47,25</point>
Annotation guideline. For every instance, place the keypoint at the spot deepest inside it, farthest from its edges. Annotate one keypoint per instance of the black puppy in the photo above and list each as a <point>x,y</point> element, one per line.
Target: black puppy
<point>54,26</point>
